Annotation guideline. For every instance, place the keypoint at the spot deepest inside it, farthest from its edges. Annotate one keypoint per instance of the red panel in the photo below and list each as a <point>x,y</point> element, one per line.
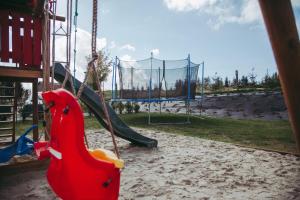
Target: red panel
<point>16,38</point>
<point>4,36</point>
<point>27,41</point>
<point>37,40</point>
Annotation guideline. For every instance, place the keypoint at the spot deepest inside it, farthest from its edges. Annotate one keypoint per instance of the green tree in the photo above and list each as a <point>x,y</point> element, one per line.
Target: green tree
<point>207,82</point>
<point>121,107</point>
<point>252,76</point>
<point>128,107</point>
<point>217,82</point>
<point>244,81</point>
<point>226,82</point>
<point>103,68</point>
<point>271,81</point>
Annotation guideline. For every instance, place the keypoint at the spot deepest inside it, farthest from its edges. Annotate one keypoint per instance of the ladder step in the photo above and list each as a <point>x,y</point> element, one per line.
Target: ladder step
<point>61,34</point>
<point>6,129</point>
<point>6,105</point>
<point>7,97</point>
<point>6,135</point>
<point>60,61</point>
<point>6,87</point>
<point>6,113</point>
<point>7,121</point>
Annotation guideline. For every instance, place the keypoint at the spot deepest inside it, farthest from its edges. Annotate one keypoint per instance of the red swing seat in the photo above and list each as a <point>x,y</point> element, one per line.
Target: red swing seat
<point>73,172</point>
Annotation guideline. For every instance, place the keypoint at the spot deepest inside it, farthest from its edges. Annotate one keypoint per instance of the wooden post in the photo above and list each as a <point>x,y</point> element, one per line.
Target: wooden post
<point>46,65</point>
<point>280,23</point>
<point>35,117</point>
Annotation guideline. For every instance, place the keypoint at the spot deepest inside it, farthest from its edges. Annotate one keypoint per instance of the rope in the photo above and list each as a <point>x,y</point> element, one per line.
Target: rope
<point>94,28</point>
<point>92,65</point>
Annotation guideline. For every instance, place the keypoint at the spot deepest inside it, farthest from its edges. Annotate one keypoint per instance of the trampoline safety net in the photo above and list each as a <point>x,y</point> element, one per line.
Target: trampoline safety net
<point>155,79</point>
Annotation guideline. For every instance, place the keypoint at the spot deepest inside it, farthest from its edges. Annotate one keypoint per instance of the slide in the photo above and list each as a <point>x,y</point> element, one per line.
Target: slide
<point>22,146</point>
<point>91,100</point>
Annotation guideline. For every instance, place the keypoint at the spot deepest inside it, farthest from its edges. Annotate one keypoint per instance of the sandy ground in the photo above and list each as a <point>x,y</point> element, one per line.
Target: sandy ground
<point>182,168</point>
<point>266,106</point>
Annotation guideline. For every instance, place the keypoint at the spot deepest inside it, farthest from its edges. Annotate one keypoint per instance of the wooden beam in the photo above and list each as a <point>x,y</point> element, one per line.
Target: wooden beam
<point>57,18</point>
<point>35,116</point>
<point>46,67</point>
<point>20,73</point>
<point>281,26</point>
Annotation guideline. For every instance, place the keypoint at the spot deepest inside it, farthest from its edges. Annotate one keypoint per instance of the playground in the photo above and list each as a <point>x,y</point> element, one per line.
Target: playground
<point>72,142</point>
<point>182,167</point>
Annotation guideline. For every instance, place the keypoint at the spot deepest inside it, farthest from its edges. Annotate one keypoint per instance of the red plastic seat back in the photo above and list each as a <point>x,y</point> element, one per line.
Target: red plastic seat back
<point>73,173</point>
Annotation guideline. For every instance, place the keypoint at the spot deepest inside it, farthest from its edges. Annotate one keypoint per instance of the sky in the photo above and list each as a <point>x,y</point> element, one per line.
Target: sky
<point>227,35</point>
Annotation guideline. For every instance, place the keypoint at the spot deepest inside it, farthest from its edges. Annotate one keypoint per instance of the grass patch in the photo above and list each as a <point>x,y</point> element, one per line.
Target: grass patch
<point>275,135</point>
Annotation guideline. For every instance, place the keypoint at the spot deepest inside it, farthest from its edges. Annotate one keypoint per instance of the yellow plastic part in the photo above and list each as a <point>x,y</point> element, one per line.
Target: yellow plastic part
<point>109,156</point>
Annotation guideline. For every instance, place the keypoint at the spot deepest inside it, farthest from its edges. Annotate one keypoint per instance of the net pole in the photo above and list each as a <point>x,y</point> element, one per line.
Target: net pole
<point>131,81</point>
<point>159,90</point>
<point>150,83</point>
<point>115,81</point>
<point>116,68</point>
<point>189,88</point>
<point>112,81</point>
<point>202,88</point>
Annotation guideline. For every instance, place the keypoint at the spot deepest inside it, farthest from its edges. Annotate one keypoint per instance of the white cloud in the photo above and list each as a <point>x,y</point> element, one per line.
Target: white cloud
<point>83,50</point>
<point>296,3</point>
<point>127,47</point>
<point>220,11</point>
<point>112,45</point>
<point>155,52</point>
<point>187,5</point>
<point>126,57</point>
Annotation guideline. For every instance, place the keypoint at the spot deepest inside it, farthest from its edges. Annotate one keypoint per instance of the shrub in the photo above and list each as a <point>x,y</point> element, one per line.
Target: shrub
<point>128,107</point>
<point>114,105</point>
<point>136,107</point>
<point>27,110</point>
<point>120,107</point>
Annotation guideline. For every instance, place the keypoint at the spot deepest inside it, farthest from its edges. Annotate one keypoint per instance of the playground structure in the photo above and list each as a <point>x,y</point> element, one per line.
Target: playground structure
<point>30,38</point>
<point>30,18</point>
<point>155,81</point>
<point>21,57</point>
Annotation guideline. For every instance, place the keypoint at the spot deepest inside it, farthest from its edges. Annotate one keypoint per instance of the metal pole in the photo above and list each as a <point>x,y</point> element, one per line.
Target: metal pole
<point>202,88</point>
<point>189,87</point>
<point>159,90</point>
<point>116,68</point>
<point>150,83</point>
<point>131,81</point>
<point>112,80</point>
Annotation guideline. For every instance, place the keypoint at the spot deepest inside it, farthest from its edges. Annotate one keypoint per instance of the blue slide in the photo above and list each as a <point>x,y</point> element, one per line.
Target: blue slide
<point>22,146</point>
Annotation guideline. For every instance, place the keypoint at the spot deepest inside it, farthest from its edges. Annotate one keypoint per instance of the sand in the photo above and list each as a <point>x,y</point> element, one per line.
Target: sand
<point>182,168</point>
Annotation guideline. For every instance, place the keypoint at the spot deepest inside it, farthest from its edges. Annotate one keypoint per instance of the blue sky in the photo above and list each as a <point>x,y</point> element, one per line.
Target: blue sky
<point>225,34</point>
